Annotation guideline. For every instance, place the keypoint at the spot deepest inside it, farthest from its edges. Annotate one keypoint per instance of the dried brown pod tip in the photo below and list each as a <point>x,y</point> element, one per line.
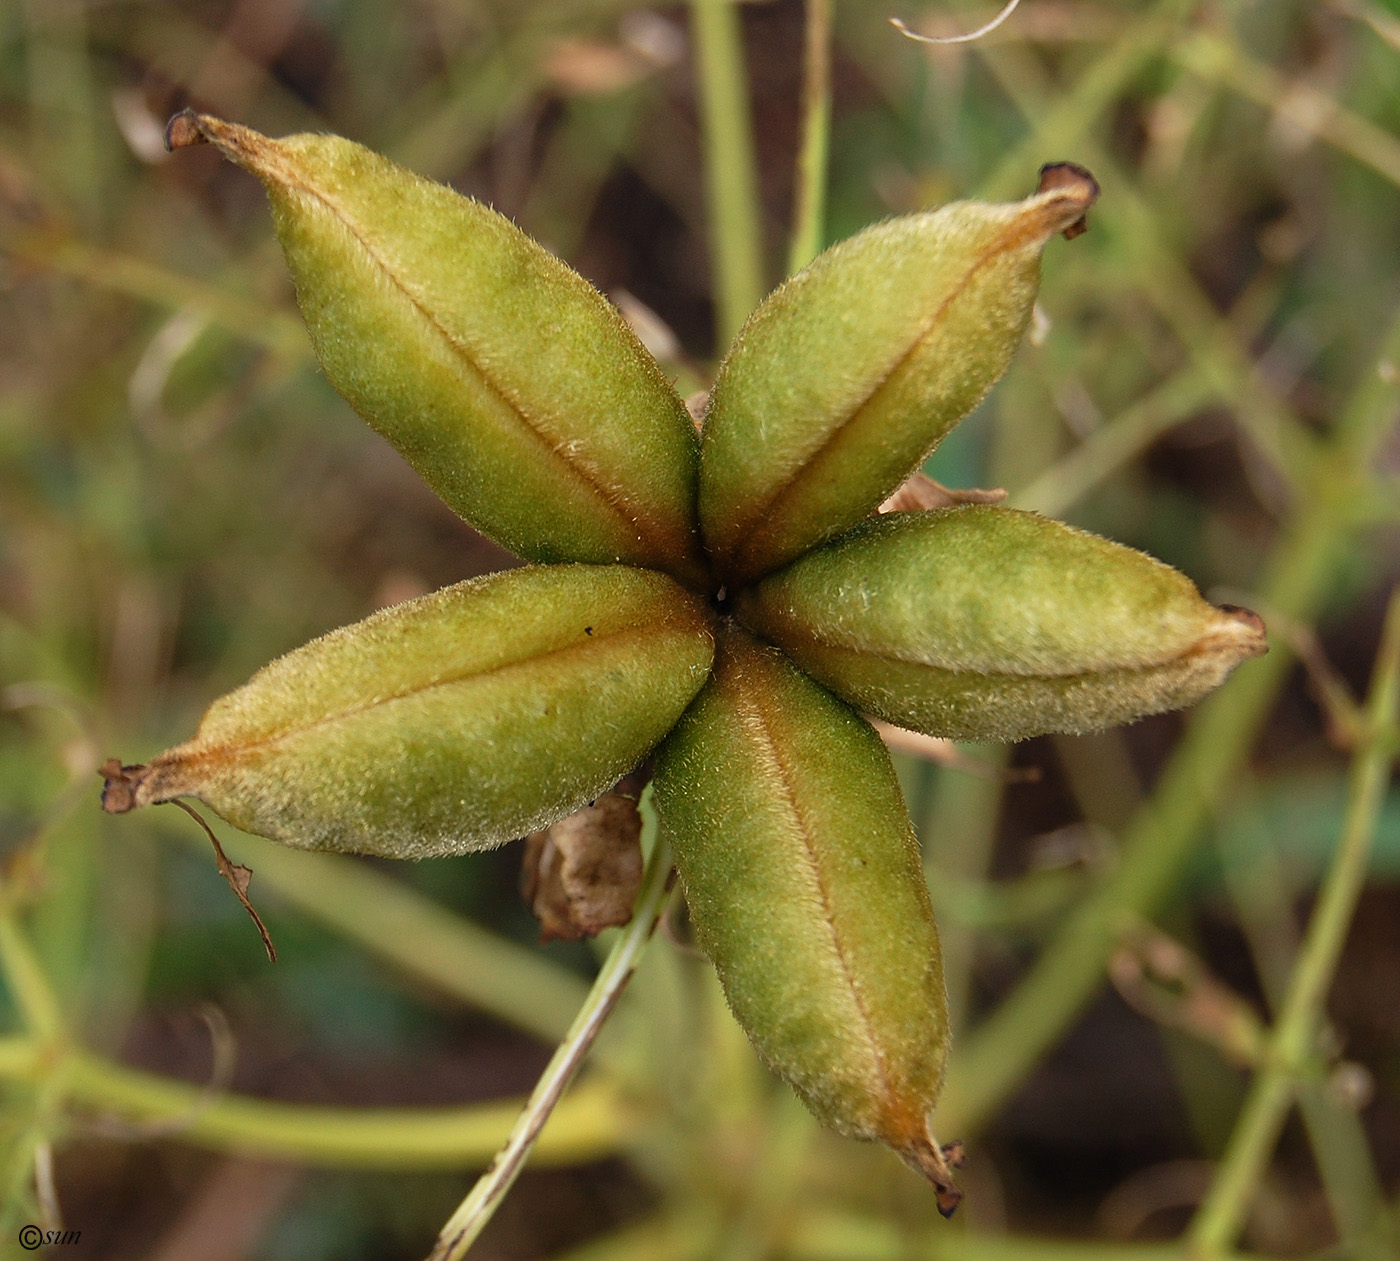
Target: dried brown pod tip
<point>183,130</point>
<point>1071,175</point>
<point>119,785</point>
<point>937,1165</point>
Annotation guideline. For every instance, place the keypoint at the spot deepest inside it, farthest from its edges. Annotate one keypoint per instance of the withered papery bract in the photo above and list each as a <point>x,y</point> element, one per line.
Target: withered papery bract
<point>693,600</point>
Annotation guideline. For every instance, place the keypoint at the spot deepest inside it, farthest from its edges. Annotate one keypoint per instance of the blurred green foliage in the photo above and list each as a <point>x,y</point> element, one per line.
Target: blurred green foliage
<point>182,497</point>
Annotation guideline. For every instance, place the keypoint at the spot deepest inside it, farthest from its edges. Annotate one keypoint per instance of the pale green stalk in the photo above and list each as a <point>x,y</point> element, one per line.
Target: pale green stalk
<point>590,1126</point>
<point>397,923</point>
<point>731,167</point>
<point>134,1104</point>
<point>475,1211</point>
<point>24,975</point>
<point>1222,1213</point>
<point>1264,896</point>
<point>1116,443</point>
<point>145,281</point>
<point>809,217</point>
<point>1293,98</point>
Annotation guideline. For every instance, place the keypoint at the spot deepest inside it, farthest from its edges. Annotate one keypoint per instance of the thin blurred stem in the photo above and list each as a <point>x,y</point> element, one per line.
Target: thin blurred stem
<point>959,831</point>
<point>809,219</point>
<point>373,1138</point>
<point>135,1104</point>
<point>146,281</point>
<point>24,976</point>
<point>397,923</point>
<point>730,164</point>
<point>1222,1213</point>
<point>63,102</point>
<point>997,1056</point>
<point>1067,118</point>
<point>1308,108</point>
<point>773,1183</point>
<point>1116,443</point>
<point>1263,897</point>
<point>475,1211</point>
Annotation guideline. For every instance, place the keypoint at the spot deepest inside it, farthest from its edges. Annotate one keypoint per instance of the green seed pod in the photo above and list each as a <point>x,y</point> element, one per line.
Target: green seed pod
<point>846,378</point>
<point>982,623</point>
<point>512,386</point>
<point>451,723</point>
<point>804,884</point>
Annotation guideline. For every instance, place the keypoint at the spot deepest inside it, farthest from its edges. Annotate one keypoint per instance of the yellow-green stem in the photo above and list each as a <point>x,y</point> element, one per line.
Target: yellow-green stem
<point>397,923</point>
<point>485,1197</point>
<point>1222,1213</point>
<point>590,1124</point>
<point>731,168</point>
<point>24,976</point>
<point>809,216</point>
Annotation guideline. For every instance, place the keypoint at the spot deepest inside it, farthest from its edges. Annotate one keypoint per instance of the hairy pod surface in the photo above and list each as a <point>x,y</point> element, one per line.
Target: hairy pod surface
<point>512,386</point>
<point>984,623</point>
<point>846,378</point>
<point>452,723</point>
<point>805,888</point>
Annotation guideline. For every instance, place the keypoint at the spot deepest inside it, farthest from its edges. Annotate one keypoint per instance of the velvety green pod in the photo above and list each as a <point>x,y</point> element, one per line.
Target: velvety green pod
<point>512,386</point>
<point>982,623</point>
<point>451,723</point>
<point>805,888</point>
<point>846,378</point>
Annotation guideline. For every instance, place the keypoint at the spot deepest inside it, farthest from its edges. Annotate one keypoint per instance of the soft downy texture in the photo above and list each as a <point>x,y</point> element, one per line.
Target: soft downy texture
<point>452,723</point>
<point>805,887</point>
<point>517,391</point>
<point>496,707</point>
<point>845,379</point>
<point>983,623</point>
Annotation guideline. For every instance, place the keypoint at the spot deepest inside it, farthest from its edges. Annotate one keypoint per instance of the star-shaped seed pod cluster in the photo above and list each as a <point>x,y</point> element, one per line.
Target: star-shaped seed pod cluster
<point>730,602</point>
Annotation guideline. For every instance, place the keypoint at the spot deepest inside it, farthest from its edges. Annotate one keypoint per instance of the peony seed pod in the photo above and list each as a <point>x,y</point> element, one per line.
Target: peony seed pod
<point>447,724</point>
<point>805,888</point>
<point>846,378</point>
<point>514,388</point>
<point>983,623</point>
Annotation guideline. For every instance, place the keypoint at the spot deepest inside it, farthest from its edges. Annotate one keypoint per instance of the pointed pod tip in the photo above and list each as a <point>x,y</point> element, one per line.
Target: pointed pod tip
<point>1241,631</point>
<point>119,784</point>
<point>1078,190</point>
<point>241,145</point>
<point>935,1163</point>
<point>183,130</point>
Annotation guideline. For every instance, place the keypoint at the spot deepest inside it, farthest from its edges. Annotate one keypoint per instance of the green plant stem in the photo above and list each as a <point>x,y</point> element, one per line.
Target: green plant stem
<point>1308,108</point>
<point>1067,118</point>
<point>590,1124</point>
<point>145,281</point>
<point>1116,443</point>
<point>375,1138</point>
<point>402,926</point>
<point>485,1197</point>
<point>772,1186</point>
<point>1223,1211</point>
<point>730,165</point>
<point>24,975</point>
<point>989,1063</point>
<point>1263,896</point>
<point>809,217</point>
